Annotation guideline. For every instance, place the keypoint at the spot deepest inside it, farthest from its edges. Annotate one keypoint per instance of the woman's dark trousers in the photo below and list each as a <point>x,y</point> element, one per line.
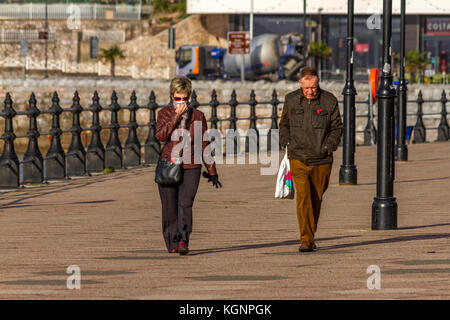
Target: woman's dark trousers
<point>177,204</point>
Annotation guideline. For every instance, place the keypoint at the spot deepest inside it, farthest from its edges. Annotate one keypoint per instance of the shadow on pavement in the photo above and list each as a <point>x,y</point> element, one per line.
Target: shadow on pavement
<point>390,240</point>
<point>259,246</point>
<point>406,181</point>
<point>44,190</point>
<point>424,226</point>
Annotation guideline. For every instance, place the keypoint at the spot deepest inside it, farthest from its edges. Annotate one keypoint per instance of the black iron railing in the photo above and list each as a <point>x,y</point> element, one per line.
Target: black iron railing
<point>78,161</point>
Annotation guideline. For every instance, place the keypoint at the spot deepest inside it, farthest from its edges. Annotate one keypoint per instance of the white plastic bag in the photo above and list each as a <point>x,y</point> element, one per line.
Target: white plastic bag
<point>285,184</point>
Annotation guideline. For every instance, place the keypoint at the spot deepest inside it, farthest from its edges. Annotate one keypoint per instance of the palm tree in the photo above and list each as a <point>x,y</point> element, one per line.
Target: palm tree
<point>320,51</point>
<point>415,62</point>
<point>110,55</point>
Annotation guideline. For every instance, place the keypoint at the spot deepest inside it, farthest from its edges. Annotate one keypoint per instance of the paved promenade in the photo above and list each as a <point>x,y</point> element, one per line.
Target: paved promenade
<point>244,244</point>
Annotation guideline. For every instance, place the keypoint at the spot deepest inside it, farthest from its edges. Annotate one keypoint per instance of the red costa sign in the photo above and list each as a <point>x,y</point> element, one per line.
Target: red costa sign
<point>437,26</point>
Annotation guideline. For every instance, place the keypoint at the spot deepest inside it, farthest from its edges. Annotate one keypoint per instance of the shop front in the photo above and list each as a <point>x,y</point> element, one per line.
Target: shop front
<point>436,42</point>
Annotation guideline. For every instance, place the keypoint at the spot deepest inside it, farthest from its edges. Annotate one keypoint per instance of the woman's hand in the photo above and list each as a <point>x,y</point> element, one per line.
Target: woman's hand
<point>181,108</point>
<point>214,179</point>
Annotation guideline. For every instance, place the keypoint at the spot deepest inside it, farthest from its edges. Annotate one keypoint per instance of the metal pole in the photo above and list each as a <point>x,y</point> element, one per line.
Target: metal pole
<point>46,40</point>
<point>243,68</point>
<point>373,134</point>
<point>401,150</point>
<point>251,38</point>
<point>140,9</point>
<point>251,19</point>
<point>305,47</point>
<point>320,40</point>
<point>348,172</point>
<point>384,206</point>
<point>170,64</point>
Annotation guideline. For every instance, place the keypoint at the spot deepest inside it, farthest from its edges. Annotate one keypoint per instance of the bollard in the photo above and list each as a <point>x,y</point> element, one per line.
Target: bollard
<point>33,162</point>
<point>132,148</point>
<point>113,150</point>
<point>214,104</point>
<point>274,125</point>
<point>194,103</point>
<point>443,125</point>
<point>419,128</point>
<point>370,133</point>
<point>253,133</point>
<point>55,160</point>
<point>152,147</point>
<point>95,157</point>
<point>9,163</point>
<point>76,155</point>
<point>232,135</point>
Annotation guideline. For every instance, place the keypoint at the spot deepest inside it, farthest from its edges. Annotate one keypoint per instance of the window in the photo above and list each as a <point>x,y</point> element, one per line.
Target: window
<point>184,56</point>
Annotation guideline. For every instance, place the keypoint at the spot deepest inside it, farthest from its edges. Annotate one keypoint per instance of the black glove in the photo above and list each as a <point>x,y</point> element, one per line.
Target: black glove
<point>214,179</point>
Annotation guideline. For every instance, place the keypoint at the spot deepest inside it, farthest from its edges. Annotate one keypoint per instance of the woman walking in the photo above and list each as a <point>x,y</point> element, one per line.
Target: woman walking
<point>177,199</point>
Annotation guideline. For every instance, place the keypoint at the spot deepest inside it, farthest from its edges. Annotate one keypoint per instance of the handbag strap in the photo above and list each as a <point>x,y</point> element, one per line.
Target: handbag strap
<point>189,120</point>
<point>190,112</point>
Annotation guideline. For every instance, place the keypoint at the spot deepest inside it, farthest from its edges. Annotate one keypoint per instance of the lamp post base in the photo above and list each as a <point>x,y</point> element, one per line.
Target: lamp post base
<point>348,175</point>
<point>384,214</point>
<point>401,153</point>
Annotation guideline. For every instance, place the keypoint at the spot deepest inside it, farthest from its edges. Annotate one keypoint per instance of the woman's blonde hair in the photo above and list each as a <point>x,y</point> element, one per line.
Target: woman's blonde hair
<point>181,85</point>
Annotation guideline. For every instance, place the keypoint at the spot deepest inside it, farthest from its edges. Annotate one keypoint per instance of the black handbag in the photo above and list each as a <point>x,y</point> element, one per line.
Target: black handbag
<point>168,173</point>
<point>171,172</point>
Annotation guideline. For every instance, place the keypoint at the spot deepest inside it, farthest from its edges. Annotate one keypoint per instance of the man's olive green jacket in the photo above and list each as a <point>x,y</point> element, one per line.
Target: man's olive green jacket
<point>311,129</point>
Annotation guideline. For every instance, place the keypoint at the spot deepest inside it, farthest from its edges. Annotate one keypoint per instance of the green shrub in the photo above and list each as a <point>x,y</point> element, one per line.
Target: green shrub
<point>439,79</point>
<point>109,170</point>
<point>160,6</point>
<point>164,6</point>
<point>165,19</point>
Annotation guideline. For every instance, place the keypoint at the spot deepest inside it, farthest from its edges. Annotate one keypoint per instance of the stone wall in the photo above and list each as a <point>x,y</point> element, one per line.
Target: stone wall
<point>69,43</point>
<point>147,52</point>
<point>43,89</point>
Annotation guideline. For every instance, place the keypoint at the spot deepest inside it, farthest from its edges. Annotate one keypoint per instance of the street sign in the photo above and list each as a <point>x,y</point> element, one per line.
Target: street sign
<point>238,42</point>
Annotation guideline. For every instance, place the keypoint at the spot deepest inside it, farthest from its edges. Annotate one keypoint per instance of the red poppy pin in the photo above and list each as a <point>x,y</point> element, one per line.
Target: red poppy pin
<point>319,111</point>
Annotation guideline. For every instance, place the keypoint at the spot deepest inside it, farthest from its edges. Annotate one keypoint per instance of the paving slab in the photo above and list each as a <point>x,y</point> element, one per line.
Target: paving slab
<point>244,244</point>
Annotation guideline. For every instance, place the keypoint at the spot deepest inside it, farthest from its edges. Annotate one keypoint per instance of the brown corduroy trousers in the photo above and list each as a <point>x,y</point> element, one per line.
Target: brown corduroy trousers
<point>310,182</point>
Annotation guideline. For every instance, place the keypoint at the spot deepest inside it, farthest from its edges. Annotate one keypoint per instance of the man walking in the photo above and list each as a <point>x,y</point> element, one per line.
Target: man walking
<point>311,129</point>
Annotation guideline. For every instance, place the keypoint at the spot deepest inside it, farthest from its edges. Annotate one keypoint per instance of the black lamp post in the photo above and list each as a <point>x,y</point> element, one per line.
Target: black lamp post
<point>348,172</point>
<point>384,206</point>
<point>401,150</point>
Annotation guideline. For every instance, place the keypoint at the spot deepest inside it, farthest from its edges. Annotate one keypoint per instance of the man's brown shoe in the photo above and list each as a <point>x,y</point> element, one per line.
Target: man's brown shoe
<point>306,247</point>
